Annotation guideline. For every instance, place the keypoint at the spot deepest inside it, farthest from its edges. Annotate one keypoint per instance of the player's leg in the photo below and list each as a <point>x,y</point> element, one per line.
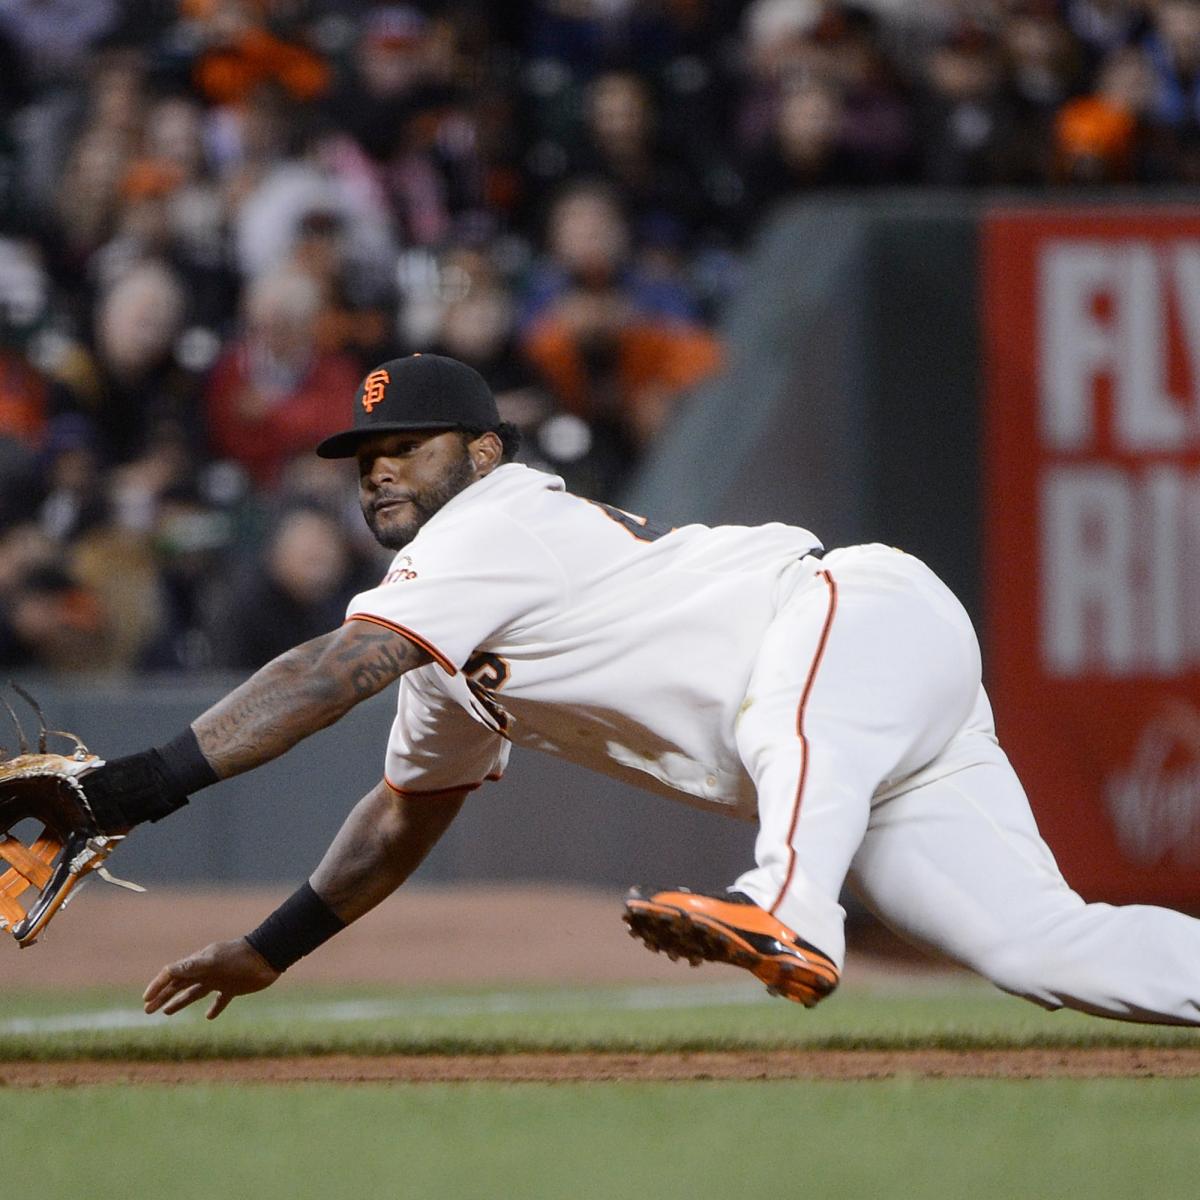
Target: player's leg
<point>958,866</point>
<point>866,674</point>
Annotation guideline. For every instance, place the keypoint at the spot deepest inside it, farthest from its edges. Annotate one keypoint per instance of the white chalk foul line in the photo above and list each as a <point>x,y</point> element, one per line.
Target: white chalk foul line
<point>633,998</point>
<point>115,1018</point>
<point>346,1011</point>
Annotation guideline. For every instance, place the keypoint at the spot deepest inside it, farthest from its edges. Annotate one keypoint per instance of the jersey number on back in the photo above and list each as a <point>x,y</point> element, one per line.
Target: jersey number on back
<point>643,530</point>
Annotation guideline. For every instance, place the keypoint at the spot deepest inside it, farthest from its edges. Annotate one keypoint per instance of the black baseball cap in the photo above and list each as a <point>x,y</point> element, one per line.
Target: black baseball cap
<point>422,391</point>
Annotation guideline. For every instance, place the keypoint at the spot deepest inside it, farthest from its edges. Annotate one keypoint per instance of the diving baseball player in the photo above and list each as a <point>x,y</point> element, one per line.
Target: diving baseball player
<point>834,696</point>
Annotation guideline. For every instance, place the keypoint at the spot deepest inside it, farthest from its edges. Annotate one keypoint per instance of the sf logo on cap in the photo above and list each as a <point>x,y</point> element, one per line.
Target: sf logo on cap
<point>373,387</point>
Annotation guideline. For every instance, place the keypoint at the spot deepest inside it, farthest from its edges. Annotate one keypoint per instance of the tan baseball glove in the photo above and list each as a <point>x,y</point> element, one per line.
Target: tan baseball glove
<point>44,872</point>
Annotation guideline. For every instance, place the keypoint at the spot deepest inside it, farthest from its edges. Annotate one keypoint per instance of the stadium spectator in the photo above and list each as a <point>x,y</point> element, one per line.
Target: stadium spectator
<point>623,146</point>
<point>589,36</point>
<point>50,621</point>
<point>20,484</point>
<point>779,54</point>
<point>616,343</point>
<point>395,76</point>
<point>23,393</point>
<point>1173,43</point>
<point>1043,69</point>
<point>1105,137</point>
<point>1173,46</point>
<point>269,216</point>
<point>53,44</point>
<point>24,546</point>
<point>71,467</point>
<point>968,115</point>
<point>73,479</point>
<point>1101,27</point>
<point>214,214</point>
<point>24,306</point>
<point>54,38</point>
<point>805,153</point>
<point>403,104</point>
<point>355,301</point>
<point>190,539</point>
<point>794,43</point>
<point>877,124</point>
<point>116,566</point>
<point>172,208</point>
<point>243,57</point>
<point>87,200</point>
<point>268,397</point>
<point>478,326</point>
<point>297,592</point>
<point>140,385</point>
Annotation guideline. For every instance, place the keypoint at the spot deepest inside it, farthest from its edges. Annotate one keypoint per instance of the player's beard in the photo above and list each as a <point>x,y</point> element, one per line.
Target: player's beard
<point>393,531</point>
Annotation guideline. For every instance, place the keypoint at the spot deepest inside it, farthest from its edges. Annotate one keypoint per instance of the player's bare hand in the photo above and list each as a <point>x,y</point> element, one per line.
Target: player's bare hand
<point>228,968</point>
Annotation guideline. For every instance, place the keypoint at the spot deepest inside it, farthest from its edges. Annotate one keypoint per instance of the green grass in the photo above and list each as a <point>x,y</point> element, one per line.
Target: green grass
<point>722,1013</point>
<point>904,1137</point>
<point>1099,1140</point>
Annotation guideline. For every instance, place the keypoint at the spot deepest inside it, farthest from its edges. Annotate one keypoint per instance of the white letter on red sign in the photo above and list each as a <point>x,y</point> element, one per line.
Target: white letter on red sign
<point>1162,538</point>
<point>1087,592</point>
<point>1148,417</point>
<point>1076,345</point>
<point>1187,289</point>
<point>1103,313</point>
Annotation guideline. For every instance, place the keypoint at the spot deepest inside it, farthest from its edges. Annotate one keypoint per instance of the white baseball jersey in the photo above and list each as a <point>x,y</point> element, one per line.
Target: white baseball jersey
<point>841,695</point>
<point>561,624</point>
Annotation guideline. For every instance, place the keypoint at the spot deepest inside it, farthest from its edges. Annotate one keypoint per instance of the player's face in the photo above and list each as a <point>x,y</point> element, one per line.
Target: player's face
<point>404,478</point>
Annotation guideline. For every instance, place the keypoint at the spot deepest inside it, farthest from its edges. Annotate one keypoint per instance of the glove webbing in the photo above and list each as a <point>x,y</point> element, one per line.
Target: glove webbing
<point>30,867</point>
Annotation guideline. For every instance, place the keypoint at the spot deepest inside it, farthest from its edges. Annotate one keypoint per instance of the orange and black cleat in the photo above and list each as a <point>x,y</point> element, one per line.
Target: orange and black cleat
<point>731,929</point>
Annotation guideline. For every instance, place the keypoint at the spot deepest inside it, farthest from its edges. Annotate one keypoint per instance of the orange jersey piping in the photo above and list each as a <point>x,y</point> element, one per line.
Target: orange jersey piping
<point>417,640</point>
<point>436,792</point>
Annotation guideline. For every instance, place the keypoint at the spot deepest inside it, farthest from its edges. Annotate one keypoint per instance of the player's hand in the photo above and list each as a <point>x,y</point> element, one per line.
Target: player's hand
<point>228,968</point>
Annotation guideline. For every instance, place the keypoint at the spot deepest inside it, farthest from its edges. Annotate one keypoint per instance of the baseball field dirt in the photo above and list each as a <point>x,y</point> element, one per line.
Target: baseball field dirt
<point>492,936</point>
<point>1091,1063</point>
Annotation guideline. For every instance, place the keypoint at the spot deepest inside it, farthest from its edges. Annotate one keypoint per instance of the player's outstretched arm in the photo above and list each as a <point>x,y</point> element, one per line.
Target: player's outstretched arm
<point>305,689</point>
<point>381,842</point>
<point>301,691</point>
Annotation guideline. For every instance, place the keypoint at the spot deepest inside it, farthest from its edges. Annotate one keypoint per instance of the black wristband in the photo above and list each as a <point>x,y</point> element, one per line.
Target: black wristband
<point>184,762</point>
<point>296,928</point>
<point>148,786</point>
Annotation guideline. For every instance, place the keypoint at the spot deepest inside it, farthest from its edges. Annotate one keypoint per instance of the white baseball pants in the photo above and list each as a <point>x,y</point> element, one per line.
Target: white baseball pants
<point>870,741</point>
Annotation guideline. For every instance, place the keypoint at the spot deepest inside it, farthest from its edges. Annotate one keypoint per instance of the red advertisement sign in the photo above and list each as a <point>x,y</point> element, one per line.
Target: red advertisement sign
<point>1092,536</point>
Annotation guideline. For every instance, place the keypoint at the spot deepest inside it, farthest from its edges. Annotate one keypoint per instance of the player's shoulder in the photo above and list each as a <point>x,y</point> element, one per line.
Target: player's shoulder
<point>499,519</point>
<point>510,488</point>
<point>481,505</point>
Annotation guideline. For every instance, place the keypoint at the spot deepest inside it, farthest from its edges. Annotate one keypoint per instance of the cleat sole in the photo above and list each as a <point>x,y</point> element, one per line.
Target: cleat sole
<point>697,938</point>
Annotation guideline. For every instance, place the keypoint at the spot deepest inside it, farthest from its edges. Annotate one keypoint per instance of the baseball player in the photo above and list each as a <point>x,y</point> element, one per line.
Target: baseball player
<point>835,697</point>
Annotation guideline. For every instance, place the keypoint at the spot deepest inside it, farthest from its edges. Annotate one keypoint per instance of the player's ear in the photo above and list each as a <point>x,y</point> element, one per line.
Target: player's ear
<point>486,452</point>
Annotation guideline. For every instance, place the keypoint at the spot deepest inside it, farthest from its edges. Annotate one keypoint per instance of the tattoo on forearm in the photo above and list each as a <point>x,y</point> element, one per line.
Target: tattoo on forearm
<point>304,690</point>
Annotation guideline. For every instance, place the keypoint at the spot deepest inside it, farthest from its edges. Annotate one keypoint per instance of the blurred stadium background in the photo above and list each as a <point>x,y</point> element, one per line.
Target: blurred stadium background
<point>917,271</point>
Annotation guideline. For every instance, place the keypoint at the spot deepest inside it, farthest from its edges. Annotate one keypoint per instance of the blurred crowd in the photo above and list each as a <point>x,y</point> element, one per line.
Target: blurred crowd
<point>216,215</point>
